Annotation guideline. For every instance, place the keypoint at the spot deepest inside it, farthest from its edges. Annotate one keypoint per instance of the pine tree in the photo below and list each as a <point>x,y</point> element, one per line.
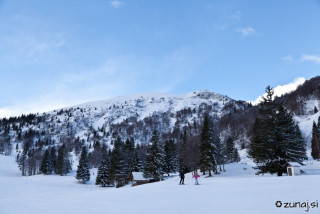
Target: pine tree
<point>103,171</point>
<point>168,159</point>
<point>276,140</point>
<point>117,166</point>
<point>63,165</point>
<point>136,164</point>
<point>154,158</point>
<point>174,152</point>
<point>315,150</point>
<point>83,172</point>
<point>236,155</point>
<point>207,147</point>
<point>230,149</point>
<point>23,162</point>
<point>46,163</point>
<point>53,158</point>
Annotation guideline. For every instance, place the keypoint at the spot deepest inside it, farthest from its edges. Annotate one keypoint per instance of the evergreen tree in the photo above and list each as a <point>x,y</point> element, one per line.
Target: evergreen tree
<point>154,158</point>
<point>315,144</point>
<point>46,163</point>
<point>83,172</point>
<point>23,163</point>
<point>53,158</point>
<point>103,171</point>
<point>136,164</point>
<point>168,157</point>
<point>230,149</point>
<point>63,165</point>
<point>128,152</point>
<point>276,140</point>
<point>236,155</point>
<point>117,167</point>
<point>174,152</point>
<point>207,147</point>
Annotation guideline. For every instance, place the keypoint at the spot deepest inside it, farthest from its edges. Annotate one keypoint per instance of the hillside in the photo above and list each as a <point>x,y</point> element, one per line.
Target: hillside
<point>131,116</point>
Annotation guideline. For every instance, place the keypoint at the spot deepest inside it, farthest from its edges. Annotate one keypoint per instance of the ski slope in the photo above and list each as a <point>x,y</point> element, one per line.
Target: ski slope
<point>234,191</point>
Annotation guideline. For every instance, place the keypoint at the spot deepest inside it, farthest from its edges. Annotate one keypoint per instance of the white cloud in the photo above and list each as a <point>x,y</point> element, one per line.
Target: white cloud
<point>246,31</point>
<point>117,4</point>
<point>287,58</point>
<point>311,58</point>
<point>282,89</point>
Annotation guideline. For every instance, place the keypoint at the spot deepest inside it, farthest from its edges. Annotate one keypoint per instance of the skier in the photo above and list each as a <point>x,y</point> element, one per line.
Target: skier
<point>196,176</point>
<point>182,177</point>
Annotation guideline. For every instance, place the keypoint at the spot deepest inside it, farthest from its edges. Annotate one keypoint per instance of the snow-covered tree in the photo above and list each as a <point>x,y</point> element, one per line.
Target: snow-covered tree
<point>236,155</point>
<point>53,158</point>
<point>63,165</point>
<point>154,159</point>
<point>117,171</point>
<point>23,163</point>
<point>230,149</point>
<point>207,146</point>
<point>46,166</point>
<point>83,171</point>
<point>103,171</point>
<point>170,157</point>
<point>315,142</point>
<point>276,140</point>
<point>136,163</point>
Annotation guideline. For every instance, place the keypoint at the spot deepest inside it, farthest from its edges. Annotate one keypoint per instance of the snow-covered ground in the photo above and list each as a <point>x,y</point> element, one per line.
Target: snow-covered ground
<point>234,191</point>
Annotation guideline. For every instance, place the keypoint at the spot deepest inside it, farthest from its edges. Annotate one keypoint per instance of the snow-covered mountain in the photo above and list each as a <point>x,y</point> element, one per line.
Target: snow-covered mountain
<point>129,116</point>
<point>136,115</point>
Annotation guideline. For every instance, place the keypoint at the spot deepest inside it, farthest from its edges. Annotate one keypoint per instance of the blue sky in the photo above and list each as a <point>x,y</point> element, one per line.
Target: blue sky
<point>55,54</point>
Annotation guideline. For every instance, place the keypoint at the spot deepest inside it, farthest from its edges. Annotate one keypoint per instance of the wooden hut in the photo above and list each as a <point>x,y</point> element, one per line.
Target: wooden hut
<point>137,178</point>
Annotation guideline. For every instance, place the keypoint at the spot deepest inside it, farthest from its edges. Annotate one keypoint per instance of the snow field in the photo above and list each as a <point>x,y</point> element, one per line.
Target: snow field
<point>234,191</point>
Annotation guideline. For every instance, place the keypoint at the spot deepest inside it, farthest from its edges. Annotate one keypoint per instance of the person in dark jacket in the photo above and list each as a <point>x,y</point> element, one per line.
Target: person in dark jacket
<point>182,177</point>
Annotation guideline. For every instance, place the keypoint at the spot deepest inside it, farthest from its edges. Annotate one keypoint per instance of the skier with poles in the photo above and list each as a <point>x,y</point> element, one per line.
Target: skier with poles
<point>182,177</point>
<point>196,176</point>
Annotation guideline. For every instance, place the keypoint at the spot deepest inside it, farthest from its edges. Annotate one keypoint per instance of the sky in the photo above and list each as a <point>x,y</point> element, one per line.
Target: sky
<point>55,54</point>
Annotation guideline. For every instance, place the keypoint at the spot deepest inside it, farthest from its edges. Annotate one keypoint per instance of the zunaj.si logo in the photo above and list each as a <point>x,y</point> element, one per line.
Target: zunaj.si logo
<point>278,204</point>
<point>305,205</point>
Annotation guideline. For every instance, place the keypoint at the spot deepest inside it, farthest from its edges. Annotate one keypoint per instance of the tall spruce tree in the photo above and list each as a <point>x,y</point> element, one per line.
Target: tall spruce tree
<point>83,171</point>
<point>275,138</point>
<point>236,155</point>
<point>53,158</point>
<point>155,158</point>
<point>23,162</point>
<point>170,157</point>
<point>117,166</point>
<point>136,164</point>
<point>207,146</point>
<point>63,165</point>
<point>229,149</point>
<point>103,171</point>
<point>46,166</point>
<point>315,142</point>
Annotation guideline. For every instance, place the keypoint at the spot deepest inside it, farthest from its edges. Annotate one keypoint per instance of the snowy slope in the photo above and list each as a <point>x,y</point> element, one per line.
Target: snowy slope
<point>234,191</point>
<point>134,115</point>
<point>305,123</point>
